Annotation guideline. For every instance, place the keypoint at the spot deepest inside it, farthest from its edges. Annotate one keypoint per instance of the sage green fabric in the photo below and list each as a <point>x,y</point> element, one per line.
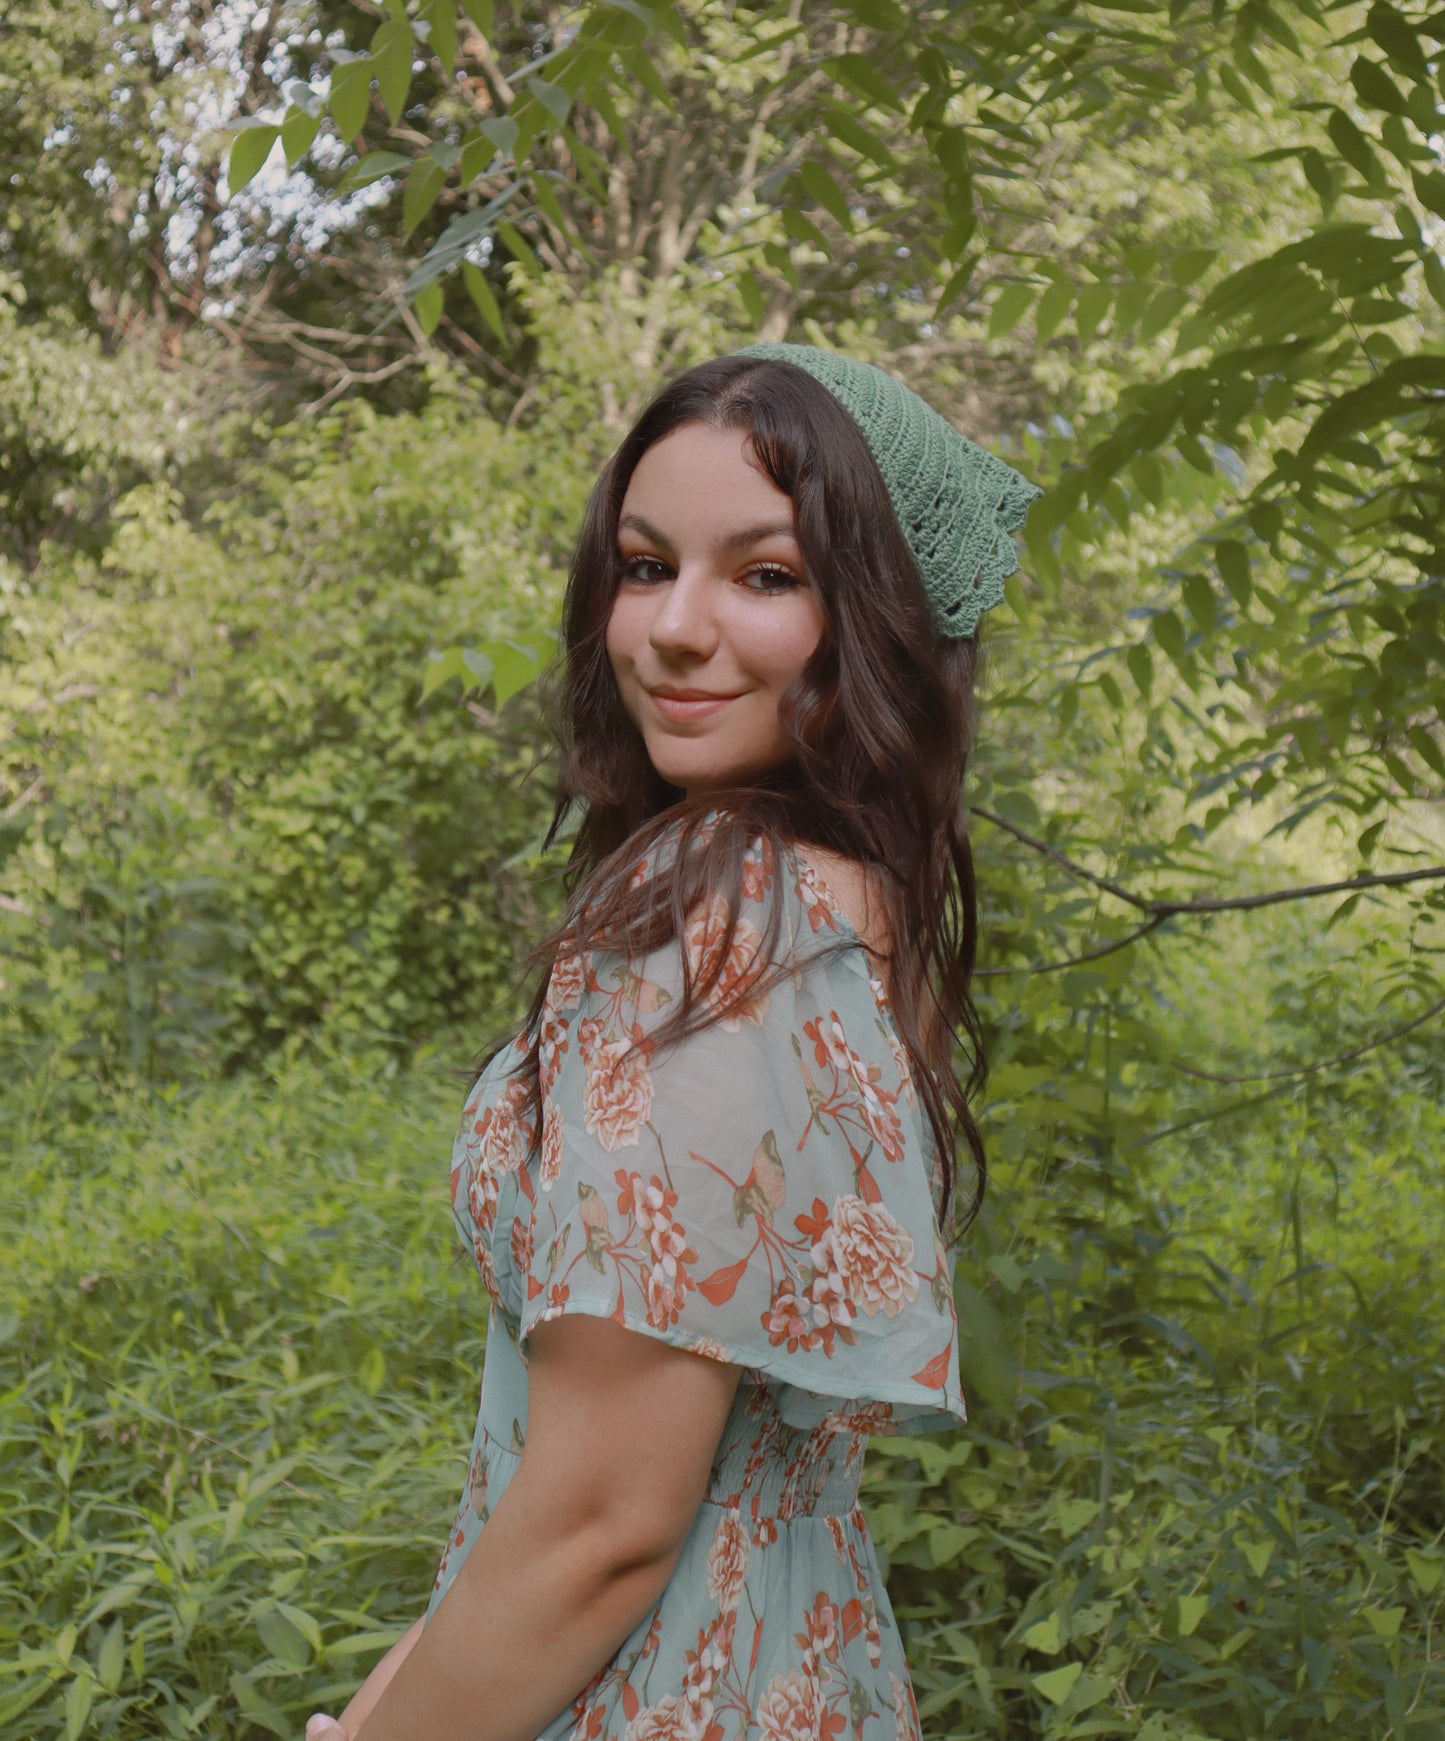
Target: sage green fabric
<point>958,504</point>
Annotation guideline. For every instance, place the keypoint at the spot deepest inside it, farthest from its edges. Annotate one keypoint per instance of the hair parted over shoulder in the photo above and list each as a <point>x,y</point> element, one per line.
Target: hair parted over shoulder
<point>881,718</point>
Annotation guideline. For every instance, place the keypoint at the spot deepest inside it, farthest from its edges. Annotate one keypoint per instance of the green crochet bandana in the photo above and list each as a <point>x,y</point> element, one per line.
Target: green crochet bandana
<point>957,504</point>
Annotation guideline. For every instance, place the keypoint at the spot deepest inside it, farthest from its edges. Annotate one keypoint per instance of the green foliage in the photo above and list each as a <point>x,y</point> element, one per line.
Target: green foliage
<point>1198,1497</point>
<point>237,1371</point>
<point>254,820</point>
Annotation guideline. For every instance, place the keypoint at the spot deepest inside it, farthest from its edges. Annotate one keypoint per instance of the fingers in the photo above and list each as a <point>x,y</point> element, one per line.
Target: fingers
<point>323,1728</point>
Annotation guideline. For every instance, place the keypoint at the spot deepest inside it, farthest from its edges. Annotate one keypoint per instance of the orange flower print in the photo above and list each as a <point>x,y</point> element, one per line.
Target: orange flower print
<point>498,1141</point>
<point>670,1719</point>
<point>617,1094</point>
<point>665,1246</point>
<point>710,1348</point>
<point>819,1636</point>
<point>865,1418</point>
<point>589,1036</point>
<point>727,1562</point>
<point>905,1071</point>
<point>905,1712</point>
<point>551,1045</point>
<point>787,1319</point>
<point>565,986</point>
<point>872,1252</point>
<point>705,1666</point>
<point>877,1105</point>
<point>551,1167</point>
<point>482,1190</point>
<point>757,870</point>
<point>743,964</point>
<point>521,1244</point>
<point>792,1708</point>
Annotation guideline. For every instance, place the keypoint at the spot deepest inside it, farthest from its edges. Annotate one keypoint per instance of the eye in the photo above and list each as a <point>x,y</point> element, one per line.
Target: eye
<point>775,579</point>
<point>644,570</point>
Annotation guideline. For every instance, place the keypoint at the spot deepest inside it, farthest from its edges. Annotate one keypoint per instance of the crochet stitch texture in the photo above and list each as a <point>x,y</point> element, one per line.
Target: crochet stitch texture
<point>958,504</point>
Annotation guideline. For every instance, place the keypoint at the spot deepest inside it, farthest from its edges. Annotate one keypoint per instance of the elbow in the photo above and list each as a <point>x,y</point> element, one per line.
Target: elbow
<point>627,1544</point>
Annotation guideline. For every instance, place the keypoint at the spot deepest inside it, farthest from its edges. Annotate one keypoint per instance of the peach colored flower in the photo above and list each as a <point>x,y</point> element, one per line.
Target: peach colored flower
<point>876,1104</point>
<point>670,1719</point>
<point>521,1243</point>
<point>872,1637</point>
<point>727,1562</point>
<point>589,1036</point>
<point>482,1190</point>
<point>498,1141</point>
<point>705,1666</point>
<point>859,1417</point>
<point>905,1070</point>
<point>757,869</point>
<point>709,1348</point>
<point>551,1044</point>
<point>665,1246</point>
<point>617,1094</point>
<point>791,1709</point>
<point>786,1319</point>
<point>872,1252</point>
<point>743,965</point>
<point>551,1167</point>
<point>566,982</point>
<point>835,1529</point>
<point>905,1712</point>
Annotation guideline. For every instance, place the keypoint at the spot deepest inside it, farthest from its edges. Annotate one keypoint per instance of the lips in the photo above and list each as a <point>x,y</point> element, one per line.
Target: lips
<point>681,709</point>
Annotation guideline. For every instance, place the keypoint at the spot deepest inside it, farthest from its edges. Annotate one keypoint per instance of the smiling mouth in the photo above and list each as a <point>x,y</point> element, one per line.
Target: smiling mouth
<point>688,707</point>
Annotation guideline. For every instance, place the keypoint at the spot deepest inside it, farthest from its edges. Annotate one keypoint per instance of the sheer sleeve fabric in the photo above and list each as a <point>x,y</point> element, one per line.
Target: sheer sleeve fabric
<point>758,1192</point>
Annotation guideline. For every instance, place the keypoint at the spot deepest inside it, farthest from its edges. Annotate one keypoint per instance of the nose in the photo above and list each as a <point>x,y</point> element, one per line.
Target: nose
<point>684,620</point>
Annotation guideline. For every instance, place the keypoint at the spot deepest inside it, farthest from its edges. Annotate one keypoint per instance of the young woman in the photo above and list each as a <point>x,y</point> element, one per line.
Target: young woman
<point>710,1186</point>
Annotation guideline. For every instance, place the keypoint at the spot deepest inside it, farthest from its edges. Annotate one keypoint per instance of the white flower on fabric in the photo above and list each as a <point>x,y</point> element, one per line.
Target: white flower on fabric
<point>670,1719</point>
<point>791,1709</point>
<point>617,1094</point>
<point>872,1253</point>
<point>727,1562</point>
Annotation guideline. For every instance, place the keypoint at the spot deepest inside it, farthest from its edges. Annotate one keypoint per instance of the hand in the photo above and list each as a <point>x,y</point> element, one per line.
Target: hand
<point>323,1728</point>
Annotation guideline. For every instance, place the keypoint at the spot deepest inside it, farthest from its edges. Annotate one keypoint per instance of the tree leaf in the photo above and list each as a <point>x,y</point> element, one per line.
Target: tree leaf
<point>1058,1683</point>
<point>425,182</point>
<point>391,51</point>
<point>249,150</point>
<point>441,18</point>
<point>552,97</point>
<point>821,186</point>
<point>428,303</point>
<point>297,132</point>
<point>1376,89</point>
<point>1010,306</point>
<point>351,96</point>
<point>481,294</point>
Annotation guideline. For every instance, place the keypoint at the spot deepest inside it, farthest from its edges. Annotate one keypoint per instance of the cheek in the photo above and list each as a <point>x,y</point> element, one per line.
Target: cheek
<point>782,644</point>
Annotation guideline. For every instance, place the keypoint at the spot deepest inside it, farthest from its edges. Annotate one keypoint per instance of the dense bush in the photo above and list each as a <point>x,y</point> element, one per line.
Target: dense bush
<point>251,826</point>
<point>1199,1496</point>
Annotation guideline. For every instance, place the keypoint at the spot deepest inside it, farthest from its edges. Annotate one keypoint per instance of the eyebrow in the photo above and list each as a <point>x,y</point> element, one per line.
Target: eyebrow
<point>742,539</point>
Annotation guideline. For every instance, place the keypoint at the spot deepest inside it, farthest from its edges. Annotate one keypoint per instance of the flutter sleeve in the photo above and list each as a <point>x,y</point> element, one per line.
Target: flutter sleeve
<point>758,1192</point>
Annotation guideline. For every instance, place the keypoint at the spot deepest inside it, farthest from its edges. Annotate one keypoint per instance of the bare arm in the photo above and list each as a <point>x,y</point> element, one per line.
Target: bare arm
<point>622,1431</point>
<point>371,1689</point>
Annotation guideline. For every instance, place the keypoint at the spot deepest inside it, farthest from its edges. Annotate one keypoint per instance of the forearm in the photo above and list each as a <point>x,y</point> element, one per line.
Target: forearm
<point>376,1683</point>
<point>531,1617</point>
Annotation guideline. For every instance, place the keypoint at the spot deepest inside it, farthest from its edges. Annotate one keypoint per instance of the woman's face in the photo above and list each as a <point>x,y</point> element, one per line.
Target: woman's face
<point>713,599</point>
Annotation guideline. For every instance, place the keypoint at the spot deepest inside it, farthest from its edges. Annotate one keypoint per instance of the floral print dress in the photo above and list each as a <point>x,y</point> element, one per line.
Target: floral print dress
<point>763,1192</point>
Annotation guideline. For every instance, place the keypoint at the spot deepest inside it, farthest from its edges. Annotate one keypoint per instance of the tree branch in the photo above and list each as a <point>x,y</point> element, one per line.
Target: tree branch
<point>1324,1063</point>
<point>1227,904</point>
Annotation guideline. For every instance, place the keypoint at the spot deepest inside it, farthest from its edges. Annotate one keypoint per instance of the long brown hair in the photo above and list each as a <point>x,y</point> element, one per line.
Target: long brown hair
<point>880,717</point>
